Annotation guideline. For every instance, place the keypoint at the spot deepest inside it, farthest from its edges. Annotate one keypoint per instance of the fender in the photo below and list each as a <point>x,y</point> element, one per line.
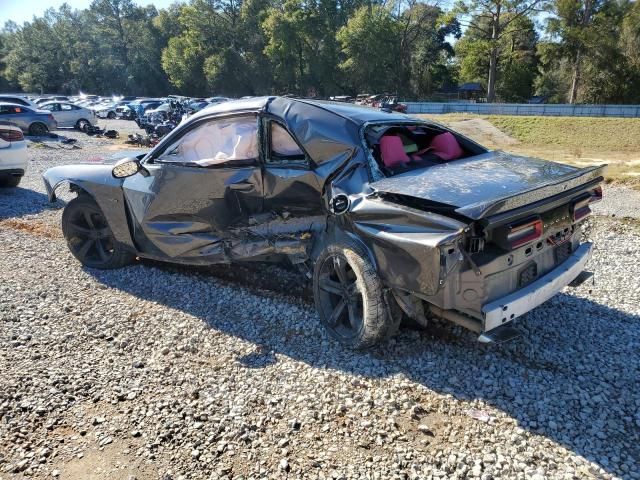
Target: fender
<point>98,182</point>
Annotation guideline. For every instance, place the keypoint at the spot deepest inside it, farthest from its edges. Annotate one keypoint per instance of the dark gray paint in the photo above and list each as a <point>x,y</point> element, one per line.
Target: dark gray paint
<point>209,215</point>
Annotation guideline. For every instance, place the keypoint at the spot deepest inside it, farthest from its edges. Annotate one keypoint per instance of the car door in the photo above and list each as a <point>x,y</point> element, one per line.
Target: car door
<point>291,187</point>
<point>18,115</point>
<point>68,115</point>
<point>197,191</point>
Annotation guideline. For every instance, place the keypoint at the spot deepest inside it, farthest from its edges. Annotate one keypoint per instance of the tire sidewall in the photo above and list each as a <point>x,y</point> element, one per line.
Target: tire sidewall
<point>375,316</point>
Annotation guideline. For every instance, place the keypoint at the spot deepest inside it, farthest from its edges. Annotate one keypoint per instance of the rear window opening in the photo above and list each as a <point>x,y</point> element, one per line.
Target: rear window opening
<point>397,149</point>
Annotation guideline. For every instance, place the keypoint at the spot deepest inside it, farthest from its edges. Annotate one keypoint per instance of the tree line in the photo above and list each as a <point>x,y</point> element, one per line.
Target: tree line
<point>577,51</point>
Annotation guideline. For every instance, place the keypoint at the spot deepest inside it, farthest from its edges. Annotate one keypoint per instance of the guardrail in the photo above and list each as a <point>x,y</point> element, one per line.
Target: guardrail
<point>557,110</point>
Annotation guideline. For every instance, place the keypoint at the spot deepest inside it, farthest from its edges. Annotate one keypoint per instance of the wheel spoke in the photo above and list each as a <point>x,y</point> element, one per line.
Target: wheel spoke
<point>87,218</point>
<point>328,285</point>
<point>103,232</point>
<point>338,310</point>
<point>340,268</point>
<point>353,291</point>
<point>104,256</point>
<point>80,229</point>
<point>84,249</point>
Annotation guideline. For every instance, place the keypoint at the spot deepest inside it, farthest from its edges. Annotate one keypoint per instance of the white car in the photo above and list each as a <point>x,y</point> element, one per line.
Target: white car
<point>69,115</point>
<point>108,111</point>
<point>13,155</point>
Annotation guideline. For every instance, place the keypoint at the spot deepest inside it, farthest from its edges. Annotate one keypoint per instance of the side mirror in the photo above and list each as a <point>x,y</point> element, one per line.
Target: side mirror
<point>126,167</point>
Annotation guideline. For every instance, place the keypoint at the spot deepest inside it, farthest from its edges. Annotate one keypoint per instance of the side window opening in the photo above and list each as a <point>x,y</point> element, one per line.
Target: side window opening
<point>66,107</point>
<point>282,146</point>
<point>216,142</point>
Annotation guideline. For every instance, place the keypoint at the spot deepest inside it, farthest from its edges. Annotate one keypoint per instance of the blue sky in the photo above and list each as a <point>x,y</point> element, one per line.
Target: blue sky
<point>20,10</point>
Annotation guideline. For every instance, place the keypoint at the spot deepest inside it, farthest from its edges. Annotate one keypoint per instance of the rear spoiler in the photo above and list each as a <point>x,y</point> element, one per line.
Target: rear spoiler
<point>564,186</point>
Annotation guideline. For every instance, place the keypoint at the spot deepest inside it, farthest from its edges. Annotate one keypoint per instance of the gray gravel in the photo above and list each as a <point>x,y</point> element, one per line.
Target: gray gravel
<point>156,372</point>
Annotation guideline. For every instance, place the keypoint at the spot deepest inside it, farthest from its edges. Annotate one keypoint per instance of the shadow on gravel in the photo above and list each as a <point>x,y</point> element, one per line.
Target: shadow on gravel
<point>17,202</point>
<point>571,377</point>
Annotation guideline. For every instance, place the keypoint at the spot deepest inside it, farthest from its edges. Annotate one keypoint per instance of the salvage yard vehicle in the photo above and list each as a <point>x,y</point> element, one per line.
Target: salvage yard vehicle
<point>13,155</point>
<point>389,215</point>
<point>33,122</point>
<point>69,115</point>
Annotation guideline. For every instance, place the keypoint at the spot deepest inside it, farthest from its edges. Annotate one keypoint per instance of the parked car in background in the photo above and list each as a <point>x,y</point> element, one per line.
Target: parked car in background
<point>13,154</point>
<point>390,214</point>
<point>109,110</point>
<point>56,98</point>
<point>33,122</point>
<point>216,100</point>
<point>69,115</point>
<point>18,100</point>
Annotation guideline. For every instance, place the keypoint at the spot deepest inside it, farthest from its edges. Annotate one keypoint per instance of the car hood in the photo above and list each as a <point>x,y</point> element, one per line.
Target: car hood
<point>486,184</point>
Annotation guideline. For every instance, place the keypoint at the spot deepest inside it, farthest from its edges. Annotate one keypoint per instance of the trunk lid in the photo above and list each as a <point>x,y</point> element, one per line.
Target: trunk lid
<point>487,184</point>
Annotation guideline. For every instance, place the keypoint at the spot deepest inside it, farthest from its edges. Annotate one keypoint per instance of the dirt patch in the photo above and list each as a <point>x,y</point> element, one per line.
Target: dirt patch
<point>111,463</point>
<point>484,133</point>
<point>33,227</point>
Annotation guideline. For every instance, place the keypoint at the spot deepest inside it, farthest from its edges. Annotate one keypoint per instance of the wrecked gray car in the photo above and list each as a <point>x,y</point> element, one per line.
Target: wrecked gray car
<point>390,215</point>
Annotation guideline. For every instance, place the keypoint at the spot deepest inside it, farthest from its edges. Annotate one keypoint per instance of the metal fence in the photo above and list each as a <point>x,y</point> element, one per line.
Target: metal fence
<point>557,110</point>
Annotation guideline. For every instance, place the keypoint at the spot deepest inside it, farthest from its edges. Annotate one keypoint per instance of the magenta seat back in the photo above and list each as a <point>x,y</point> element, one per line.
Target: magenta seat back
<point>392,151</point>
<point>446,146</point>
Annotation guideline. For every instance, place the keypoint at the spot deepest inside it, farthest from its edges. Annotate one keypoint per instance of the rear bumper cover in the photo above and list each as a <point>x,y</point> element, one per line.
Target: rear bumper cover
<point>516,304</point>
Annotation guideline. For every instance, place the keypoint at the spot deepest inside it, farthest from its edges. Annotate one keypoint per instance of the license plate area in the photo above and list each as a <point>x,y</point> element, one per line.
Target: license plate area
<point>562,252</point>
<point>528,274</point>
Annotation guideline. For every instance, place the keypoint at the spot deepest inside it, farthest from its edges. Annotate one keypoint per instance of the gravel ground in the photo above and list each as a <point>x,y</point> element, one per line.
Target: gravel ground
<point>158,372</point>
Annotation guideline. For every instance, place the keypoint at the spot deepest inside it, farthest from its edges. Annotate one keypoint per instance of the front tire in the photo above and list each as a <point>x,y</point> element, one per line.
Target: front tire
<point>10,181</point>
<point>111,115</point>
<point>89,236</point>
<point>350,298</point>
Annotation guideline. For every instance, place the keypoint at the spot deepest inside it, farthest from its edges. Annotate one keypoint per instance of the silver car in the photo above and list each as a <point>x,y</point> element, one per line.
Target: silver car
<point>69,115</point>
<point>33,122</point>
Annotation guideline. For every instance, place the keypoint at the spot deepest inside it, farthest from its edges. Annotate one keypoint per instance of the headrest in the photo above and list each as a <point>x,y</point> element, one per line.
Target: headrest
<point>446,146</point>
<point>392,151</point>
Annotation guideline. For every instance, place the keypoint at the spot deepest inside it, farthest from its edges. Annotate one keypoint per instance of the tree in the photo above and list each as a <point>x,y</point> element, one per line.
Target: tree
<point>371,47</point>
<point>492,19</point>
<point>516,56</point>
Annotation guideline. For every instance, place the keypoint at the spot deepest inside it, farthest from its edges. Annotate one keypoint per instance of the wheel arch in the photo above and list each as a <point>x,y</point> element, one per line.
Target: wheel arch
<point>96,182</point>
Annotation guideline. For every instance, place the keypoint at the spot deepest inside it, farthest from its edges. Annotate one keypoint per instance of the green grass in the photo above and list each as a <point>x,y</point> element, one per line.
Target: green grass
<point>598,134</point>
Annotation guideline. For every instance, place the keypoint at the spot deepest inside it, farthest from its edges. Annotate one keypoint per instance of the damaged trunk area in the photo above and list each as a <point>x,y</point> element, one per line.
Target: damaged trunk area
<point>477,234</point>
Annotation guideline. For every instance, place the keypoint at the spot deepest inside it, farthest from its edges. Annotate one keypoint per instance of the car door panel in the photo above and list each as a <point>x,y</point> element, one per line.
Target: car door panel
<point>195,195</point>
<point>187,212</point>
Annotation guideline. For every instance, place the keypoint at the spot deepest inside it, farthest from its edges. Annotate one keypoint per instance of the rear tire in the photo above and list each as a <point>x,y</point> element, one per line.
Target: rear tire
<point>111,115</point>
<point>10,182</point>
<point>38,129</point>
<point>83,124</point>
<point>350,298</point>
<point>89,236</point>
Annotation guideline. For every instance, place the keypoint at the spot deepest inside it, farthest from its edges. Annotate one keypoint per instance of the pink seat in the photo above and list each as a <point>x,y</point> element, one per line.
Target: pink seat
<point>446,146</point>
<point>392,151</point>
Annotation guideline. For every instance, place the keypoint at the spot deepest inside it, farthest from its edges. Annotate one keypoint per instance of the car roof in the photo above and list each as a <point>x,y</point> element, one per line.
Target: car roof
<point>16,105</point>
<point>356,113</point>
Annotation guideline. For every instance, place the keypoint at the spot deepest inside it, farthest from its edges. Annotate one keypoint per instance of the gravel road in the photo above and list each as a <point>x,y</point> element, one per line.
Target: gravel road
<point>159,372</point>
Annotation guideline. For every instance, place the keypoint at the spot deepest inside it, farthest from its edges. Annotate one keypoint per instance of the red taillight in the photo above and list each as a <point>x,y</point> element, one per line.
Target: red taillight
<point>524,232</point>
<point>581,207</point>
<point>50,116</point>
<point>11,135</point>
<point>596,195</point>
